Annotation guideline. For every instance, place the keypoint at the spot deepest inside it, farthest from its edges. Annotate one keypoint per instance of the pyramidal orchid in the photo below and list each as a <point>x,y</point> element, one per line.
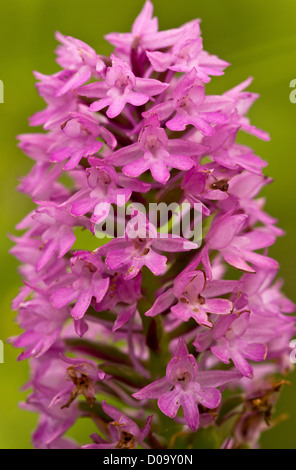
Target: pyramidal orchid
<point>156,337</point>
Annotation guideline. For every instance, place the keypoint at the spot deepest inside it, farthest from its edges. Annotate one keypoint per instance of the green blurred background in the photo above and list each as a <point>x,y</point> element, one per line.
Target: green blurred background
<point>257,37</point>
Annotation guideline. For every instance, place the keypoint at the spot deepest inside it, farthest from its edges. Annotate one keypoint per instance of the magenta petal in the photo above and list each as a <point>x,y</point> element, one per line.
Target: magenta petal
<point>137,99</point>
<point>63,296</point>
<point>182,350</point>
<point>146,429</point>
<point>127,424</point>
<point>125,155</point>
<point>170,402</point>
<point>240,324</point>
<point>186,279</point>
<point>241,364</point>
<point>99,286</point>
<point>173,243</point>
<point>82,304</point>
<point>160,61</point>
<point>234,257</point>
<point>81,327</point>
<point>254,351</point>
<point>182,311</point>
<point>221,350</point>
<point>150,86</point>
<point>222,233</point>
<point>185,147</point>
<point>66,241</point>
<point>218,306</point>
<point>159,171</point>
<point>93,90</point>
<point>208,397</point>
<point>143,20</point>
<point>162,110</point>
<point>115,106</point>
<point>46,255</point>
<point>153,390</point>
<point>83,206</point>
<point>192,284</point>
<point>261,261</point>
<point>181,162</point>
<point>123,317</point>
<point>100,104</point>
<point>162,303</point>
<point>76,81</point>
<point>155,262</point>
<point>136,168</point>
<point>190,410</point>
<point>217,378</point>
<point>116,259</point>
<point>220,287</point>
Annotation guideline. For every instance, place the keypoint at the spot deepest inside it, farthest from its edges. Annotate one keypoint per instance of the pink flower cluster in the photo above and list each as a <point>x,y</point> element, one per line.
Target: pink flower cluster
<point>156,326</point>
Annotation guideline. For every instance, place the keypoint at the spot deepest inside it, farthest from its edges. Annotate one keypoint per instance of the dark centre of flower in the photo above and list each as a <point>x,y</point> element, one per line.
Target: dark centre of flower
<point>91,267</point>
<point>184,53</point>
<point>126,441</point>
<point>104,178</point>
<point>184,377</point>
<point>152,143</point>
<point>140,243</point>
<point>201,300</point>
<point>82,385</point>
<point>123,81</point>
<point>222,185</point>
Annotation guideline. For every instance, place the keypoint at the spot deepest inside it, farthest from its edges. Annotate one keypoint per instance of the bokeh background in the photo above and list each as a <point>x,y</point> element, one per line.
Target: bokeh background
<point>257,37</point>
